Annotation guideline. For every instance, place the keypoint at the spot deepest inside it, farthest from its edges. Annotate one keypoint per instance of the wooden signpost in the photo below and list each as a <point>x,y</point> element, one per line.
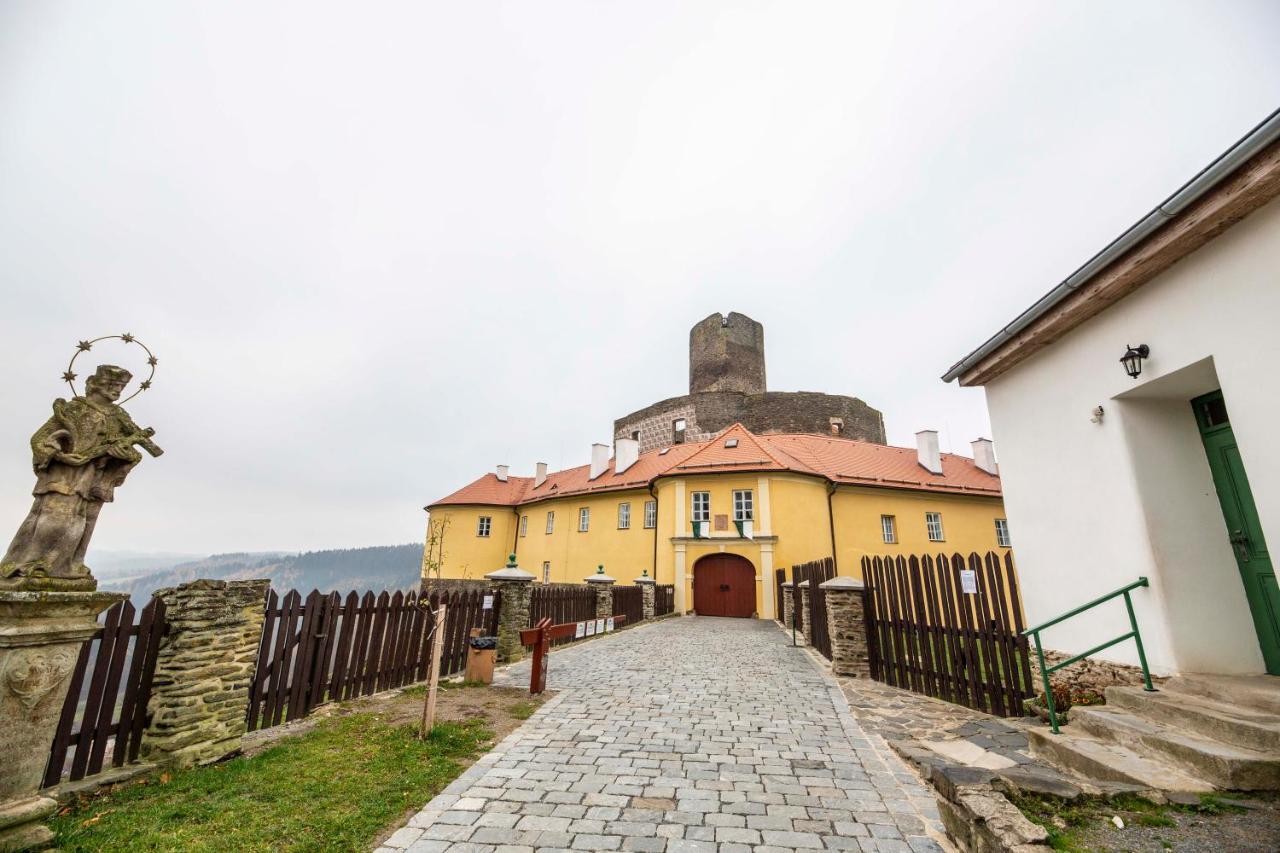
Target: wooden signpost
<point>433,678</point>
<point>541,635</point>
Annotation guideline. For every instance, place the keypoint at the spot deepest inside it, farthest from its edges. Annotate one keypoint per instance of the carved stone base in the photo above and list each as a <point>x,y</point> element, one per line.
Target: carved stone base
<point>40,637</point>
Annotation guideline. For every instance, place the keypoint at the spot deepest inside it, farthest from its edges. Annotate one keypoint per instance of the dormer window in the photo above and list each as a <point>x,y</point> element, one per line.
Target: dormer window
<point>837,426</point>
<point>731,442</point>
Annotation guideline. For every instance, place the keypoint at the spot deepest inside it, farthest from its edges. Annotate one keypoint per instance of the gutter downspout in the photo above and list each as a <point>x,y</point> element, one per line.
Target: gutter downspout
<point>654,495</point>
<point>831,521</point>
<point>515,538</point>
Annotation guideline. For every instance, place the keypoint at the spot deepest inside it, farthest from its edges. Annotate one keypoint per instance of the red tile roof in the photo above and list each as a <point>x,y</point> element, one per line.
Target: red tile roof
<point>838,460</point>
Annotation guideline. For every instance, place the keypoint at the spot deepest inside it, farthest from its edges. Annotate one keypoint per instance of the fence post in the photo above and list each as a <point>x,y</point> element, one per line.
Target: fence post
<point>807,631</point>
<point>847,627</point>
<point>647,585</point>
<point>788,603</point>
<point>515,587</point>
<point>204,667</point>
<point>603,586</point>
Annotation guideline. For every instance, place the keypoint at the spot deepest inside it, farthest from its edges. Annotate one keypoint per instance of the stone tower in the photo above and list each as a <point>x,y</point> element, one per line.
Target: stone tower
<point>727,354</point>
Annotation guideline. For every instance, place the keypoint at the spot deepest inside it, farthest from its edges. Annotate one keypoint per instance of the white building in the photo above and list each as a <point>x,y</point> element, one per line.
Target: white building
<point>1173,474</point>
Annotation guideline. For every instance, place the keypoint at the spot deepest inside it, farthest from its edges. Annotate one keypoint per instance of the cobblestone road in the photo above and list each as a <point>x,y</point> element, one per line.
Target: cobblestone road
<point>689,735</point>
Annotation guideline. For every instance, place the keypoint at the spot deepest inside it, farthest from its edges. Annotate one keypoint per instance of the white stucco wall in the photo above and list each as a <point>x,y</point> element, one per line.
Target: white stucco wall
<point>1093,506</point>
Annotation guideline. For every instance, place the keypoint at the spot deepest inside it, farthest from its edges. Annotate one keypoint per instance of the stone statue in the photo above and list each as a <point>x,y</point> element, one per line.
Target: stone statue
<point>80,456</point>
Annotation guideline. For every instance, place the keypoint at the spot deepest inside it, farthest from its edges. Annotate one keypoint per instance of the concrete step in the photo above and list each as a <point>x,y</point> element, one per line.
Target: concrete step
<point>1231,724</point>
<point>1225,766</point>
<point>1089,758</point>
<point>1257,692</point>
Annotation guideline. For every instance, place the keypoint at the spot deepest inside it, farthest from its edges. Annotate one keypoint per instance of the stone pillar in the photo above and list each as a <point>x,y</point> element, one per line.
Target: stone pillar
<point>603,585</point>
<point>204,668</point>
<point>646,585</point>
<point>788,604</point>
<point>847,627</point>
<point>805,612</point>
<point>41,633</point>
<point>515,588</point>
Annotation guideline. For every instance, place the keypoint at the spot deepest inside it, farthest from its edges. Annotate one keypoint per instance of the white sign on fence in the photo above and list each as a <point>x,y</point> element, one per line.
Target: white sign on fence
<point>580,631</point>
<point>968,582</point>
<point>487,603</point>
<point>608,625</point>
<point>591,627</point>
<point>599,626</point>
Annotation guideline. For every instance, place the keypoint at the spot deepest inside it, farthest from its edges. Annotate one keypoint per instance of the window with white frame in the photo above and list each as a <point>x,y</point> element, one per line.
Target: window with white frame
<point>701,506</point>
<point>933,523</point>
<point>551,521</point>
<point>546,572</point>
<point>743,506</point>
<point>1002,533</point>
<point>584,519</point>
<point>624,516</point>
<point>650,514</point>
<point>524,525</point>
<point>484,525</point>
<point>889,529</point>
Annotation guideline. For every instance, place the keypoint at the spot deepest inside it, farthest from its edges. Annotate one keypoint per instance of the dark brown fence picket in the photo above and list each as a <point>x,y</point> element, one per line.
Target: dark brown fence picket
<point>328,648</point>
<point>816,572</point>
<point>628,601</point>
<point>927,635</point>
<point>562,603</point>
<point>121,654</point>
<point>664,599</point>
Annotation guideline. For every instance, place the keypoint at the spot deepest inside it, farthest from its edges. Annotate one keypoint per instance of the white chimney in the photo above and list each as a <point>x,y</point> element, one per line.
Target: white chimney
<point>502,473</point>
<point>984,455</point>
<point>599,460</point>
<point>626,451</point>
<point>540,476</point>
<point>927,451</point>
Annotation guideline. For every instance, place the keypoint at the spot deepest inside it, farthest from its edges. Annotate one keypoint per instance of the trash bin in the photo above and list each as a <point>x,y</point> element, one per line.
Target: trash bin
<point>481,653</point>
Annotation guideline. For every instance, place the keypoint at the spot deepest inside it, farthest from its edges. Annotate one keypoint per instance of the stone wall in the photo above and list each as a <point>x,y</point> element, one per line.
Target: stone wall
<point>727,354</point>
<point>1090,675</point>
<point>771,412</point>
<point>847,627</point>
<point>203,671</point>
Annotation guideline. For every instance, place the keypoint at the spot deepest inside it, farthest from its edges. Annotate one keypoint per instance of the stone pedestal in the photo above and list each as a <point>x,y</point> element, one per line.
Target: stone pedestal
<point>204,667</point>
<point>515,588</point>
<point>647,587</point>
<point>802,594</point>
<point>603,586</point>
<point>847,627</point>
<point>40,638</point>
<point>788,604</point>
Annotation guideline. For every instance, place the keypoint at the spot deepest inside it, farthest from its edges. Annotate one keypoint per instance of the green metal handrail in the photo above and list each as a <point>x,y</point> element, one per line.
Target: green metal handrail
<point>1137,641</point>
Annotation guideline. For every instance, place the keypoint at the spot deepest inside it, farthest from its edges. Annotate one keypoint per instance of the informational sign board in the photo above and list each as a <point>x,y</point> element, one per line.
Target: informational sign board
<point>591,628</point>
<point>580,631</point>
<point>968,582</point>
<point>487,603</point>
<point>599,626</point>
<point>608,625</point>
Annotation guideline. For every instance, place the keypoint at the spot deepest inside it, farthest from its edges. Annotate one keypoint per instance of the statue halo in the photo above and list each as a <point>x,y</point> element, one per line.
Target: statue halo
<point>84,346</point>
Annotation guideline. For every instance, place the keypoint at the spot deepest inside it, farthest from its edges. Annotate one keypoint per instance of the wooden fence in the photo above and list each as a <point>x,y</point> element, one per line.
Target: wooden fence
<point>664,599</point>
<point>628,601</point>
<point>91,720</point>
<point>323,649</point>
<point>562,603</point>
<point>780,577</point>
<point>815,572</point>
<point>950,628</point>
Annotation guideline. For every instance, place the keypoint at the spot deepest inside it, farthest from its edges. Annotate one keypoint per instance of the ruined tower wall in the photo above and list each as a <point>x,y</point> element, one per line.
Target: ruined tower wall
<point>727,354</point>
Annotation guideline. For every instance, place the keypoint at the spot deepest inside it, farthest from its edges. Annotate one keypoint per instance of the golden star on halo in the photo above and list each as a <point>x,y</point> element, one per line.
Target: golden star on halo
<point>153,361</point>
<point>127,338</point>
<point>145,384</point>
<point>68,376</point>
<point>84,346</point>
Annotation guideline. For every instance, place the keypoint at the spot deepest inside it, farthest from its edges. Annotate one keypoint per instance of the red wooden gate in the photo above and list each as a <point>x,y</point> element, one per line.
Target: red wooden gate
<point>724,585</point>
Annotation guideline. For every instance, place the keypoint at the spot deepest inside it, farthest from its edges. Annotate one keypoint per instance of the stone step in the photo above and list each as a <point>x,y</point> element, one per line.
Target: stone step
<point>1231,724</point>
<point>1223,765</point>
<point>1258,692</point>
<point>1094,760</point>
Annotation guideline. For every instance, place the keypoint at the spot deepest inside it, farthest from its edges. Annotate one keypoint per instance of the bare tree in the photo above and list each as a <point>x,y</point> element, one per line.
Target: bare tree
<point>433,554</point>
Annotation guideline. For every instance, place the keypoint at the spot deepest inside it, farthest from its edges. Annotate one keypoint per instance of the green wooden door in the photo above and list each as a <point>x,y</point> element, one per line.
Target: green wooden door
<point>1247,542</point>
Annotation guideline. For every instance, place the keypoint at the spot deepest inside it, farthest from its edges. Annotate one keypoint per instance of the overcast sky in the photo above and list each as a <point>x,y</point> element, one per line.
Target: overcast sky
<point>381,247</point>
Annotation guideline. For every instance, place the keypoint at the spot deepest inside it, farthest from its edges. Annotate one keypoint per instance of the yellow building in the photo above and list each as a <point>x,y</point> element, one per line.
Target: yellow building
<point>717,517</point>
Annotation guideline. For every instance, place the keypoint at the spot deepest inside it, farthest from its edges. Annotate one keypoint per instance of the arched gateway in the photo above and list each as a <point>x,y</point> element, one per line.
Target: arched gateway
<point>724,585</point>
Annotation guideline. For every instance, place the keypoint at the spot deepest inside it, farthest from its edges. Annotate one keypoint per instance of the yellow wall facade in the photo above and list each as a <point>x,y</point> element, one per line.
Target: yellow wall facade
<point>792,525</point>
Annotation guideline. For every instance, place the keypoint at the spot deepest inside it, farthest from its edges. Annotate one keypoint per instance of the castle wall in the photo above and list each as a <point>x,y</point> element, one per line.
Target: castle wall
<point>727,354</point>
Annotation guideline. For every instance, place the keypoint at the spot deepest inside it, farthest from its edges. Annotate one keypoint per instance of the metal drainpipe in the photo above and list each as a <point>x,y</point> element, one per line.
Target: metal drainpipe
<point>831,522</point>
<point>654,495</point>
<point>515,538</point>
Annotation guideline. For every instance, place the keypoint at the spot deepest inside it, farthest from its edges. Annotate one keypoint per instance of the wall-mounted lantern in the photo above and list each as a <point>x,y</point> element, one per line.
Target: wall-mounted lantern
<point>1132,359</point>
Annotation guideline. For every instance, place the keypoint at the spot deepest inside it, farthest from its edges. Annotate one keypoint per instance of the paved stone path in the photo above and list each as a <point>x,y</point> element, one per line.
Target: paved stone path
<point>689,735</point>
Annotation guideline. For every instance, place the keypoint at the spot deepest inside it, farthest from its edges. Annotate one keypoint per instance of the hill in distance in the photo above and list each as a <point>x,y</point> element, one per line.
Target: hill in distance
<point>389,567</point>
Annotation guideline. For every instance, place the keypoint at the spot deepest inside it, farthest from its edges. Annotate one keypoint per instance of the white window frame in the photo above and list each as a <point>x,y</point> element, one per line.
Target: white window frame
<point>551,521</point>
<point>650,515</point>
<point>624,515</point>
<point>1002,533</point>
<point>933,527</point>
<point>584,519</point>
<point>744,506</point>
<point>546,571</point>
<point>889,529</point>
<point>524,525</point>
<point>699,513</point>
<point>484,526</point>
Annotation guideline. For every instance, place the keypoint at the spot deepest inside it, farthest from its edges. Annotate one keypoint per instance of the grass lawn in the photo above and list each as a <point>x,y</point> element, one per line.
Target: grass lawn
<point>341,785</point>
